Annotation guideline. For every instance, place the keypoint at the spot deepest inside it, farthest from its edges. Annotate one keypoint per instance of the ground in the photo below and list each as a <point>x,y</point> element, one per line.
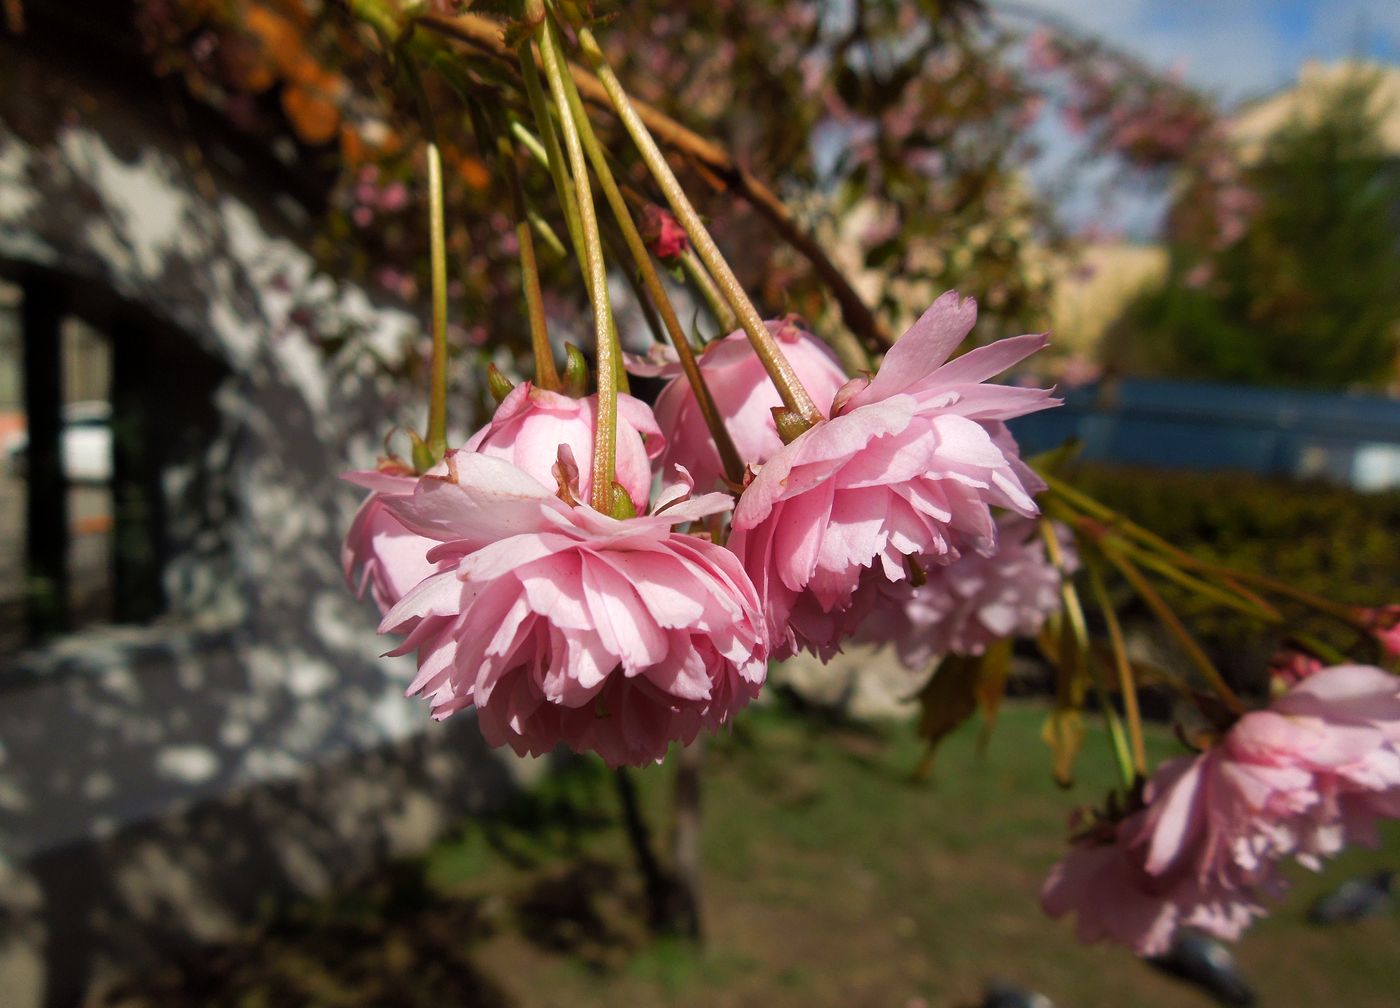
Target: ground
<point>832,879</point>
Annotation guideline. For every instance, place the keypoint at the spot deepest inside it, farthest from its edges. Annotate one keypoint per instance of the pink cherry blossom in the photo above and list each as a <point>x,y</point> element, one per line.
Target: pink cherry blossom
<point>531,423</point>
<point>1299,780</point>
<point>561,624</point>
<point>909,465</point>
<point>968,604</point>
<point>378,552</point>
<point>745,397</point>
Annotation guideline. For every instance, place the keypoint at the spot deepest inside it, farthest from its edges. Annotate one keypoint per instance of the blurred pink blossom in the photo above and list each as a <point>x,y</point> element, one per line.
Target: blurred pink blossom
<point>393,197</point>
<point>1314,771</point>
<point>1289,667</point>
<point>1199,275</point>
<point>1384,624</point>
<point>1041,52</point>
<point>964,606</point>
<point>1076,370</point>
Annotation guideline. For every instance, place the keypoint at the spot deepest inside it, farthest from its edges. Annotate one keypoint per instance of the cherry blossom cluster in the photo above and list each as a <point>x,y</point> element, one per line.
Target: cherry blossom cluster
<point>592,571</point>
<point>1298,780</point>
<point>1151,121</point>
<point>621,635</point>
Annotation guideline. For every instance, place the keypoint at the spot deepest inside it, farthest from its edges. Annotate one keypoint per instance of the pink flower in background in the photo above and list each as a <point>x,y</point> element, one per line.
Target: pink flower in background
<point>393,197</point>
<point>378,552</point>
<point>663,233</point>
<point>531,423</point>
<point>968,604</point>
<point>1077,370</point>
<point>560,624</point>
<point>1315,770</point>
<point>744,395</point>
<point>1351,716</point>
<point>909,465</point>
<point>1289,667</point>
<point>1385,627</point>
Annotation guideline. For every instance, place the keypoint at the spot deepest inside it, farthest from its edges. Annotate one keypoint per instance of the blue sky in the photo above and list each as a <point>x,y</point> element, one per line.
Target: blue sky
<point>1236,48</point>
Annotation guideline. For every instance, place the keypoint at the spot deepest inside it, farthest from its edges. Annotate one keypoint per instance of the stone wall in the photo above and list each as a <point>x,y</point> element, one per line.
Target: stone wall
<point>159,782</point>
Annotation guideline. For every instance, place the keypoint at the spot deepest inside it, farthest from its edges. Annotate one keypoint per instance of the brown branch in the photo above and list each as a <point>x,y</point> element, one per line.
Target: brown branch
<point>487,35</point>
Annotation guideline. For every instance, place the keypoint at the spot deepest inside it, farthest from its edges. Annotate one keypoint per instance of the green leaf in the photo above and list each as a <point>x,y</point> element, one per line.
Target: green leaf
<point>947,700</point>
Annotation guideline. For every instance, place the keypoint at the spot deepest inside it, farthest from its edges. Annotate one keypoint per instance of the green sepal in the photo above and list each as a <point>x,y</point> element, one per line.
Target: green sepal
<point>422,455</point>
<point>621,507</point>
<point>575,372</point>
<point>791,424</point>
<point>498,384</point>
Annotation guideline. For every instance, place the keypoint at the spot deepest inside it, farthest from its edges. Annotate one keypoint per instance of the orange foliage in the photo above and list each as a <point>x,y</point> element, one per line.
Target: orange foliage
<point>473,171</point>
<point>277,51</point>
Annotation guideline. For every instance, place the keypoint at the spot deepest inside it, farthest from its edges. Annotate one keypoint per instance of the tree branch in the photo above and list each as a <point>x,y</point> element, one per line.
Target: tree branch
<point>487,35</point>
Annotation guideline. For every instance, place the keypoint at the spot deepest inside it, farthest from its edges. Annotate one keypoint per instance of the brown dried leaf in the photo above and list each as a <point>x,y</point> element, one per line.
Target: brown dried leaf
<point>1064,733</point>
<point>991,686</point>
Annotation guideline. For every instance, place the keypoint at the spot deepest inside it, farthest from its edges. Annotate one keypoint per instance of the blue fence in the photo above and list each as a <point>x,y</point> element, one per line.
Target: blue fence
<point>1347,439</point>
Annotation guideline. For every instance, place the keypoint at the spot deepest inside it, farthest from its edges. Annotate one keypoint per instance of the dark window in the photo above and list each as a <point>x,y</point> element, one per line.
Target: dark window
<point>97,405</point>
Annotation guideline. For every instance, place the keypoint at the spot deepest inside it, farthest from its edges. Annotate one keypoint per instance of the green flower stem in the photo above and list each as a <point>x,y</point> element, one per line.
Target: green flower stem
<point>553,156</point>
<point>1174,626</point>
<point>384,17</point>
<point>1151,540</point>
<point>1325,606</point>
<point>636,248</point>
<point>1229,576</point>
<point>790,388</point>
<point>1245,602</point>
<point>1086,668</point>
<point>436,439</point>
<point>437,402</point>
<point>546,376</point>
<point>1126,686</point>
<point>529,141</point>
<point>1249,605</point>
<point>619,253</point>
<point>608,353</point>
<point>1322,649</point>
<point>535,148</point>
<point>557,162</point>
<point>546,233</point>
<point>701,280</point>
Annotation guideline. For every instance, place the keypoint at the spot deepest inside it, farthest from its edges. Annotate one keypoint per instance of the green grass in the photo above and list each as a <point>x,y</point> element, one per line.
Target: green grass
<point>832,879</point>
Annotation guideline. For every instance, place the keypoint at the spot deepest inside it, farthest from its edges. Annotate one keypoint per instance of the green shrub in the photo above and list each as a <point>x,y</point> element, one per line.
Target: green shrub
<point>1320,538</point>
<point>1310,294</point>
